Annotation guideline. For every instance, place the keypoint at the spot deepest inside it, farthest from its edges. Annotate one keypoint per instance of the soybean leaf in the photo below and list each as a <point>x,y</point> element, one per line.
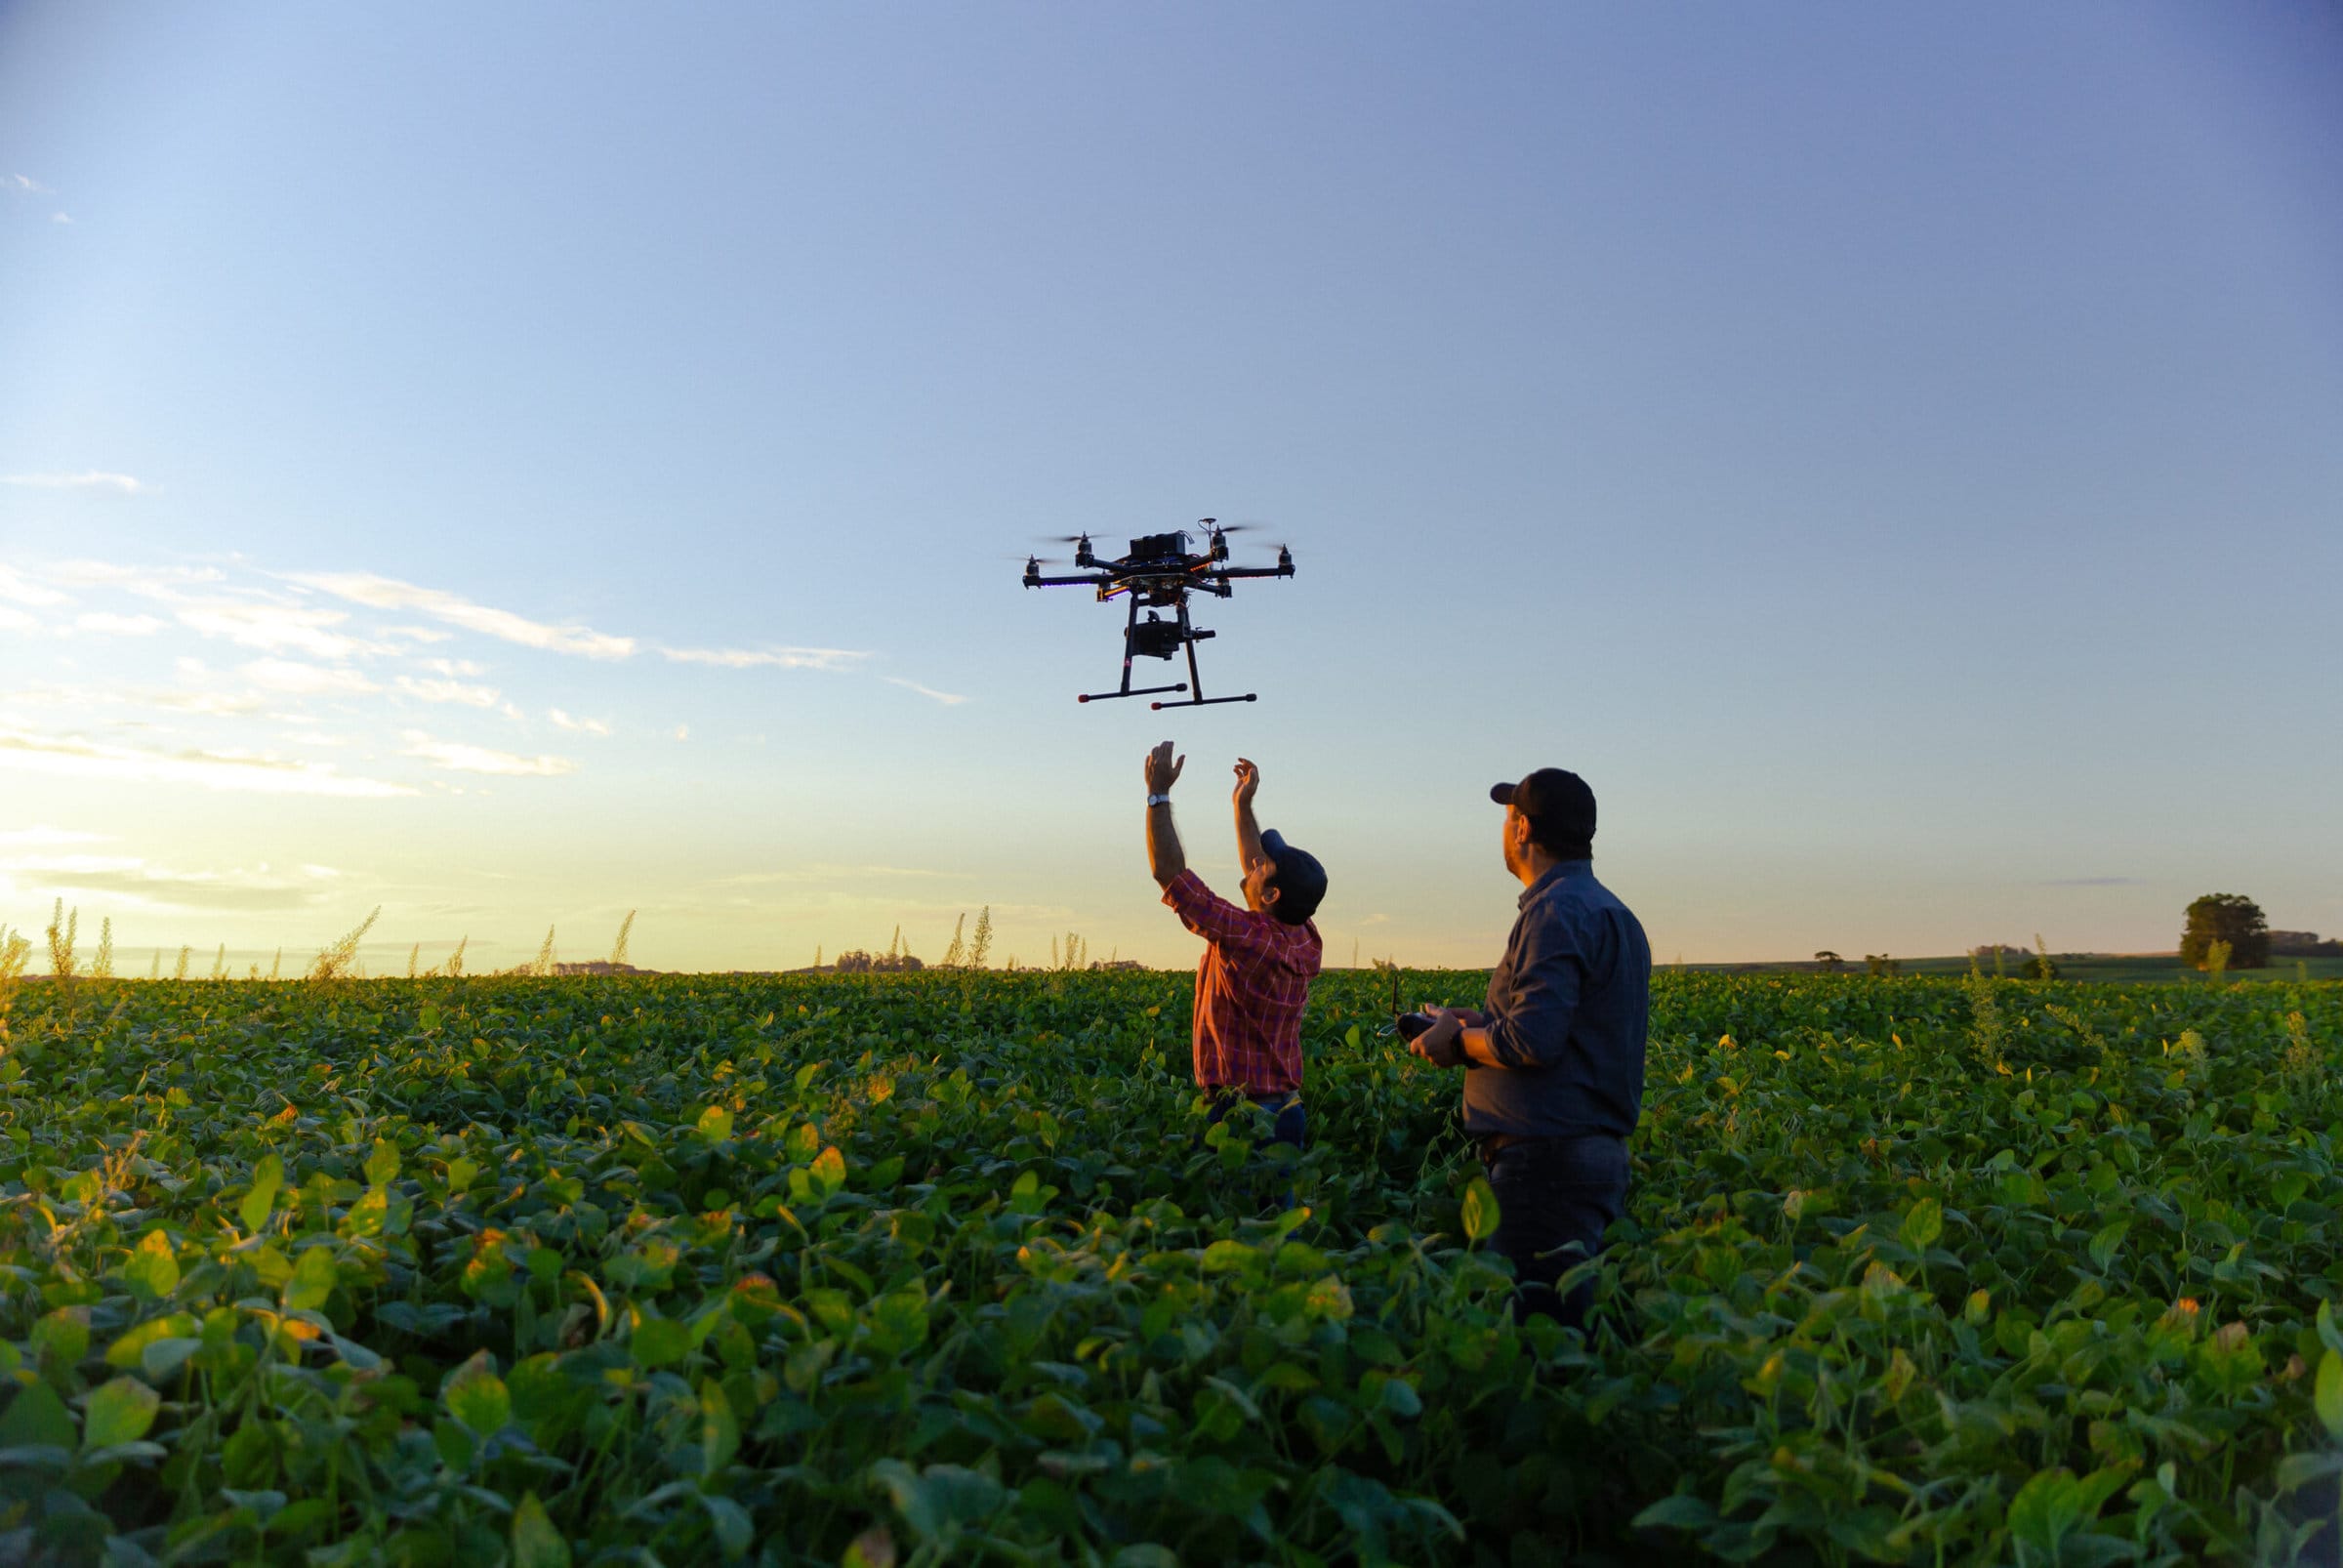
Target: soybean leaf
<point>536,1542</point>
<point>313,1279</point>
<point>151,1271</point>
<point>118,1413</point>
<point>477,1397</point>
<point>268,1178</point>
<point>1480,1210</point>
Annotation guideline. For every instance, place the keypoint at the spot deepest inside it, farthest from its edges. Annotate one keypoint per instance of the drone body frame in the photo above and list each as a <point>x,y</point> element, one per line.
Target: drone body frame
<point>1158,573</point>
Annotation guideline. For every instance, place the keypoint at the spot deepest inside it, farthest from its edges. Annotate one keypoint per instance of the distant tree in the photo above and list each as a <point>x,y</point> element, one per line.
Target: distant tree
<point>1880,964</point>
<point>1829,962</point>
<point>2303,944</point>
<point>2230,917</point>
<point>857,961</point>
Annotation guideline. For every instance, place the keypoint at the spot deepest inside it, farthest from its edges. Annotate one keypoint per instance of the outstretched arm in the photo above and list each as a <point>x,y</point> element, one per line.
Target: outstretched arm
<point>1248,830</point>
<point>1165,858</point>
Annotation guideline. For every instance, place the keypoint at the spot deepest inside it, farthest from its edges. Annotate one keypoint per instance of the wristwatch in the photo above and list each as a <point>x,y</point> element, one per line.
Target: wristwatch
<point>1159,800</point>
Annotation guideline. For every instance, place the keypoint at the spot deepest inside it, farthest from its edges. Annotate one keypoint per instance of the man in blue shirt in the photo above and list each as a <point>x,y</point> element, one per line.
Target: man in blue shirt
<point>1553,1065</point>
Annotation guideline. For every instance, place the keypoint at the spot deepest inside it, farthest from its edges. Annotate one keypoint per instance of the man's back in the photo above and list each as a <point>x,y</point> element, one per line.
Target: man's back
<point>1569,1007</point>
<point>1251,984</point>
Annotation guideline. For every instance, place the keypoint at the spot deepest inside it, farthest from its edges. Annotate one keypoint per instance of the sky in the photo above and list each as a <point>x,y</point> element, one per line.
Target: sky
<point>517,466</point>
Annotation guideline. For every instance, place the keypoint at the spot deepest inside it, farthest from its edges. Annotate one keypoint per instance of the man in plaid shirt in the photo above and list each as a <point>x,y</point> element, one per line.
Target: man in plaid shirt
<point>1255,977</point>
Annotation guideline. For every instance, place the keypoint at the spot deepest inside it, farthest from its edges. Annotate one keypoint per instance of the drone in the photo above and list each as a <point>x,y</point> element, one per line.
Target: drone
<point>1158,573</point>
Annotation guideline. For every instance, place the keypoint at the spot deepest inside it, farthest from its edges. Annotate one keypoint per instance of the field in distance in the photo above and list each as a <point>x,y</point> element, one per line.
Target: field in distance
<point>2109,967</point>
<point>939,1268</point>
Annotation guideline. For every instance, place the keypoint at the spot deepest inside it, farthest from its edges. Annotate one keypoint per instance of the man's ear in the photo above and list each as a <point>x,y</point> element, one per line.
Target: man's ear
<point>1268,896</point>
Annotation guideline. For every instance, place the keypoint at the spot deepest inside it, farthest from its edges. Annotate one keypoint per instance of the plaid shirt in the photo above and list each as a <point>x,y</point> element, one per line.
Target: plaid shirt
<point>1250,986</point>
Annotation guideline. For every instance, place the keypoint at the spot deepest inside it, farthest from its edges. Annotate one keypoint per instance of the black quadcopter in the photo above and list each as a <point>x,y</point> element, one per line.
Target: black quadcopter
<point>1160,573</point>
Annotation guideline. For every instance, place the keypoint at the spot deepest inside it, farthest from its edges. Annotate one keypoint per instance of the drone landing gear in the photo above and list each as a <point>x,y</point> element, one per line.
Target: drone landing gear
<point>1109,696</point>
<point>1157,638</point>
<point>1206,702</point>
<point>1191,637</point>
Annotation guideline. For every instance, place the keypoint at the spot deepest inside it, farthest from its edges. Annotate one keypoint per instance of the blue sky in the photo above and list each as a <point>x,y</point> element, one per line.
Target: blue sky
<point>517,467</point>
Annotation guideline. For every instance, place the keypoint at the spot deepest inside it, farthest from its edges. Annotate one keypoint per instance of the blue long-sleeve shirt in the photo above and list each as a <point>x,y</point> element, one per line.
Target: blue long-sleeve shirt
<point>1568,1011</point>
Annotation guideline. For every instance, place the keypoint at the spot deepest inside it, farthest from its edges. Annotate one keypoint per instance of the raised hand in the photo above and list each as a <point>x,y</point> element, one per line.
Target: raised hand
<point>1248,780</point>
<point>1163,769</point>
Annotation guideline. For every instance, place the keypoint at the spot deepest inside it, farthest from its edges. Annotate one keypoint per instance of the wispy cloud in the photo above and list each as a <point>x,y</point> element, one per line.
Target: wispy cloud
<point>91,479</point>
<point>779,658</point>
<point>826,873</point>
<point>165,583</point>
<point>146,883</point>
<point>105,623</point>
<point>390,593</point>
<point>304,680</point>
<point>466,758</point>
<point>590,726</point>
<point>18,589</point>
<point>948,699</point>
<point>161,699</point>
<point>74,757</point>
<point>12,619</point>
<point>464,693</point>
<point>22,184</point>
<point>42,836</point>
<point>273,628</point>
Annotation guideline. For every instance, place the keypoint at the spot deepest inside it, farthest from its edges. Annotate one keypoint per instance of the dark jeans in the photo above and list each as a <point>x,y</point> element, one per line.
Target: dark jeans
<point>1292,1121</point>
<point>1554,1198</point>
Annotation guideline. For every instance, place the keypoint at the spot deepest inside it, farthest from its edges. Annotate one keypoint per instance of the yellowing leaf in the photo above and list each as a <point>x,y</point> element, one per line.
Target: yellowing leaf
<point>152,1272</point>
<point>1480,1210</point>
<point>477,1396</point>
<point>382,1165</point>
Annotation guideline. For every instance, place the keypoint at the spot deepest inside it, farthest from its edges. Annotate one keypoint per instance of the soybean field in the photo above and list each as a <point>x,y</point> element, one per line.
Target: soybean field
<point>916,1269</point>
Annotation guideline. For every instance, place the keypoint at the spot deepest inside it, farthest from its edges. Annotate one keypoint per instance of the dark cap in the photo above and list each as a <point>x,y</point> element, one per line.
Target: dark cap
<point>1557,803</point>
<point>1300,879</point>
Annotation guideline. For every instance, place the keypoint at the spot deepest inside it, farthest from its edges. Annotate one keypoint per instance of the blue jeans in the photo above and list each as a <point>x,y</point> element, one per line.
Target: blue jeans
<point>1555,1196</point>
<point>1292,1121</point>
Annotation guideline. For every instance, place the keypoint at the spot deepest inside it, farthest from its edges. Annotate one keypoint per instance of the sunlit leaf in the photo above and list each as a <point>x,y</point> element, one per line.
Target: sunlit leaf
<point>119,1413</point>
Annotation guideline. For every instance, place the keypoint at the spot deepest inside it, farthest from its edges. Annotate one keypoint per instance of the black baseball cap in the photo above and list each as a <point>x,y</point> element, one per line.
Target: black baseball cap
<point>1557,801</point>
<point>1300,879</point>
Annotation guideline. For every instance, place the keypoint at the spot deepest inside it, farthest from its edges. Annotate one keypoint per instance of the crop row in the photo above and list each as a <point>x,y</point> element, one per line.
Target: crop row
<point>940,1267</point>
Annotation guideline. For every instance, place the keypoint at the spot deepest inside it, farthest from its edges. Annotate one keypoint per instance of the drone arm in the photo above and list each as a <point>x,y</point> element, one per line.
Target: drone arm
<point>1065,581</point>
<point>1223,573</point>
